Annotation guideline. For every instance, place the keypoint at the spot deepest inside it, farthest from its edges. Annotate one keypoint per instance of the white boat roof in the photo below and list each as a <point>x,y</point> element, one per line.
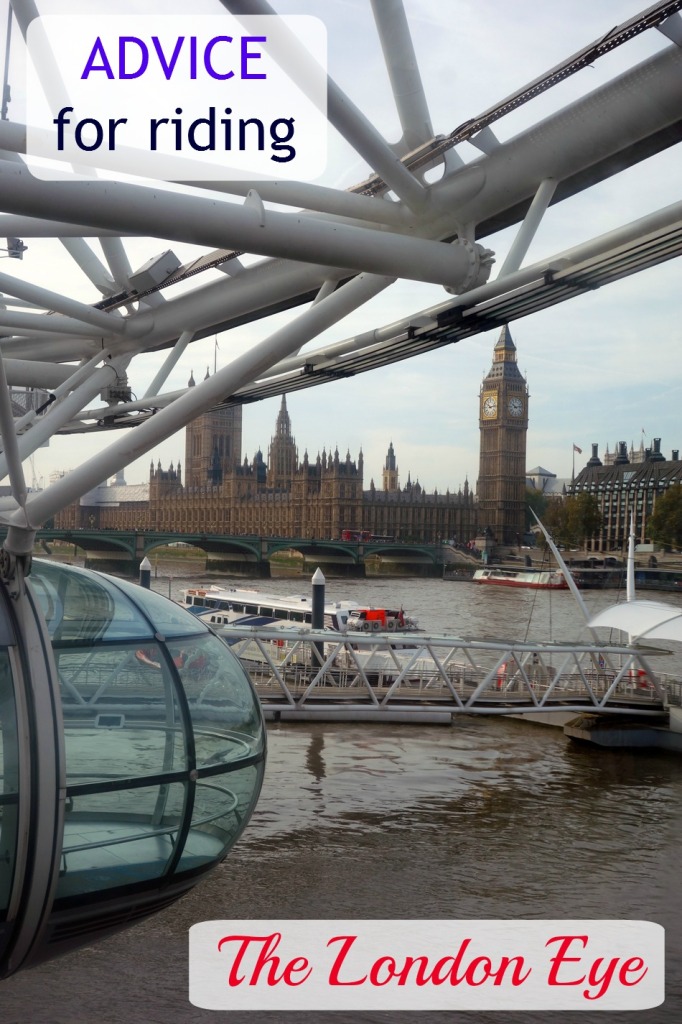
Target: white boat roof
<point>650,620</point>
<point>289,601</point>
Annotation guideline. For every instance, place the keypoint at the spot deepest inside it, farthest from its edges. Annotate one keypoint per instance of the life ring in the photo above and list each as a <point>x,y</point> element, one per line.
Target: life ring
<point>376,625</point>
<point>639,679</point>
<point>390,625</point>
<point>366,625</point>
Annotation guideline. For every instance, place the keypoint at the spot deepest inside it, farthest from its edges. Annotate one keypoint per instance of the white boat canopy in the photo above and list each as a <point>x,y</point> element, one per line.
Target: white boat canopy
<point>650,620</point>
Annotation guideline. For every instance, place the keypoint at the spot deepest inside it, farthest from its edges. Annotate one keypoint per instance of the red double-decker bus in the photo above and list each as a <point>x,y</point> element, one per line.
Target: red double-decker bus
<point>363,535</point>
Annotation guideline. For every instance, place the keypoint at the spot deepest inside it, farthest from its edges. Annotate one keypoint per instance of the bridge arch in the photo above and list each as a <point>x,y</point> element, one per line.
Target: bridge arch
<point>92,540</point>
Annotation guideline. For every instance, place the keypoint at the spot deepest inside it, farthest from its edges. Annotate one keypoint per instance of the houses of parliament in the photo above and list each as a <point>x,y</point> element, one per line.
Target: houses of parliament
<point>321,498</point>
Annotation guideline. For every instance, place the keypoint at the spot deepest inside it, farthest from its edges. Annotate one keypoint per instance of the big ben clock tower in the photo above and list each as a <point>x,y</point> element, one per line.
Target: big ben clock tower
<point>503,421</point>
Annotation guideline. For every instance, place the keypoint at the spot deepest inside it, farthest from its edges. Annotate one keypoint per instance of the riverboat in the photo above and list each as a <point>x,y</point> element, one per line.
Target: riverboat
<point>381,620</point>
<point>541,579</point>
<point>222,606</point>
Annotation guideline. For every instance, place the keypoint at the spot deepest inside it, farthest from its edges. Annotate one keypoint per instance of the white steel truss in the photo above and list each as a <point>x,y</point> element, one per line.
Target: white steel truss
<point>337,250</point>
<point>309,670</point>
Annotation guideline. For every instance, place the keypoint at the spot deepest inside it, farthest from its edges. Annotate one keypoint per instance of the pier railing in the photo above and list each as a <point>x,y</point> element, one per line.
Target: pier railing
<point>317,671</point>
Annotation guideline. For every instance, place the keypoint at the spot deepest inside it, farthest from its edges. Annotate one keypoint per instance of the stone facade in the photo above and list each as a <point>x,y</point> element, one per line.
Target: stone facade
<point>287,497</point>
<point>503,422</point>
<point>213,445</point>
<point>292,497</point>
<point>625,487</point>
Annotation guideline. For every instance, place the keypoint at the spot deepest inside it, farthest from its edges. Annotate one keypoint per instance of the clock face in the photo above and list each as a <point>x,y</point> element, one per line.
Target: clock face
<point>515,407</point>
<point>490,406</point>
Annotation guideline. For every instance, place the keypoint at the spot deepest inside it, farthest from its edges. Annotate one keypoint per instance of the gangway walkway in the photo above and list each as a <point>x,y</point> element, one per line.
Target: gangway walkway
<point>310,673</point>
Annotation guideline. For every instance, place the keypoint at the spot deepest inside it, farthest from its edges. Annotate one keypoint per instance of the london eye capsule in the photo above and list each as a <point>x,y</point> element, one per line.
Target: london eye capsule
<point>132,751</point>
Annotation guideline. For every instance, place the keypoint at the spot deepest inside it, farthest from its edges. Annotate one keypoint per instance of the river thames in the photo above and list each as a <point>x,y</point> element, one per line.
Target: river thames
<point>485,819</point>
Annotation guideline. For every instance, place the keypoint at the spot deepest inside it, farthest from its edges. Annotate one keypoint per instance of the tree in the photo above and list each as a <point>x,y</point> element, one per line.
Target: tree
<point>584,518</point>
<point>537,502</point>
<point>555,520</point>
<point>572,520</point>
<point>665,525</point>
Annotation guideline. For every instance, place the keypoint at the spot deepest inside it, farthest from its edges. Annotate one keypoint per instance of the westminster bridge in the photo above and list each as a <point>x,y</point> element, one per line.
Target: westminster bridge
<point>122,551</point>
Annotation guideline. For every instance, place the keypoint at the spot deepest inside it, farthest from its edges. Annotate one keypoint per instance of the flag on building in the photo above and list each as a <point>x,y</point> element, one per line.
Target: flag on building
<point>578,450</point>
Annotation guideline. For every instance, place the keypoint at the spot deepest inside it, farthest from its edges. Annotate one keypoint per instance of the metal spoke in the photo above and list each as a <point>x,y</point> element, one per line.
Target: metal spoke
<point>328,250</point>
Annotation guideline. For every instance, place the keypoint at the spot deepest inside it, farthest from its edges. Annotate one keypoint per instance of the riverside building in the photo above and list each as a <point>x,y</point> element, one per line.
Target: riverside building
<point>627,485</point>
<point>219,492</point>
<point>281,496</point>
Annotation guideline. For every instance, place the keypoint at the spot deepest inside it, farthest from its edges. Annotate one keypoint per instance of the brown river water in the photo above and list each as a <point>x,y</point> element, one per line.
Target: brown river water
<point>485,819</point>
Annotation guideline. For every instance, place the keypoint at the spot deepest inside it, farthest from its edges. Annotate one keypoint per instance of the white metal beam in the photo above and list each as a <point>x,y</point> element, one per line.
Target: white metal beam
<point>577,141</point>
<point>109,323</point>
<point>81,253</point>
<point>8,439</point>
<point>195,401</point>
<point>403,71</point>
<point>143,210</point>
<point>528,228</point>
<point>171,359</point>
<point>60,413</point>
<point>350,122</point>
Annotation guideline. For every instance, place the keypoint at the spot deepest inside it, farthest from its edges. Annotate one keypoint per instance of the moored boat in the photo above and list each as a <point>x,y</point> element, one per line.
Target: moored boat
<point>380,620</point>
<point>222,606</point>
<point>541,579</point>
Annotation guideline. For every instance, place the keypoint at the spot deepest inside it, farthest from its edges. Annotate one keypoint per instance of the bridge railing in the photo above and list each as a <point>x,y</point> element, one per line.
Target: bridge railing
<point>303,668</point>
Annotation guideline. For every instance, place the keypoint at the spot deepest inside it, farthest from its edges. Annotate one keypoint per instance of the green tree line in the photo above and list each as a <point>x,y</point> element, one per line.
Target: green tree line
<point>571,521</point>
<point>665,525</point>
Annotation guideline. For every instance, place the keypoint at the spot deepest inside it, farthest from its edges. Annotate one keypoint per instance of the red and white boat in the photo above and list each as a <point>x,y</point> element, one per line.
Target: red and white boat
<point>540,579</point>
<point>381,620</point>
<point>225,606</point>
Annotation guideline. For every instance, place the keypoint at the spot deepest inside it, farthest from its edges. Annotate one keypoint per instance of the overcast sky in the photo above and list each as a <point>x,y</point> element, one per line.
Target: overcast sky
<point>601,368</point>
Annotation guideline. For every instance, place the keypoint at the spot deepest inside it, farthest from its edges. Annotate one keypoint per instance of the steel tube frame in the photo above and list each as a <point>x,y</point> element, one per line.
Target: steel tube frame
<point>528,228</point>
<point>61,412</point>
<point>10,451</point>
<point>608,121</point>
<point>168,364</point>
<point>34,374</point>
<point>562,261</point>
<point>93,268</point>
<point>403,71</point>
<point>611,121</point>
<point>143,210</point>
<point>342,113</point>
<point>195,401</point>
<point>105,322</point>
<point>117,260</point>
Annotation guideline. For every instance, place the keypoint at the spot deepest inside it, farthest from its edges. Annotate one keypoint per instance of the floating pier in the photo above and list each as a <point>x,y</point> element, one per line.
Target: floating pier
<point>324,676</point>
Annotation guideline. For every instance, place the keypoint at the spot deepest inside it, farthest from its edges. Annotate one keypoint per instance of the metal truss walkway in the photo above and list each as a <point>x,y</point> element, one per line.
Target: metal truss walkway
<point>310,674</point>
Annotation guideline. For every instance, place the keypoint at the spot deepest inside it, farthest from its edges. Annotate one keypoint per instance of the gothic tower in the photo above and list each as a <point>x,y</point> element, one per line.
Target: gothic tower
<point>503,421</point>
<point>390,472</point>
<point>283,455</point>
<point>213,445</point>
